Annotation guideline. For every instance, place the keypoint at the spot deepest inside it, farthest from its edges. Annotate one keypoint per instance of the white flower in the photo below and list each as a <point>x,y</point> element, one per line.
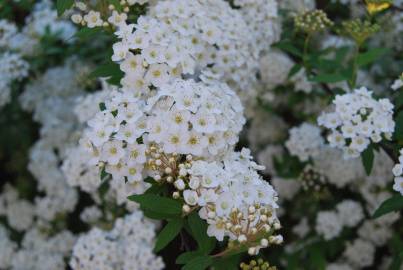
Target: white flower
<point>93,19</point>
<point>328,224</point>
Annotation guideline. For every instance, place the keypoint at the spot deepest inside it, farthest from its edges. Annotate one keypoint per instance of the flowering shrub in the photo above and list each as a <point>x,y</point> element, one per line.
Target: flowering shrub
<point>130,131</point>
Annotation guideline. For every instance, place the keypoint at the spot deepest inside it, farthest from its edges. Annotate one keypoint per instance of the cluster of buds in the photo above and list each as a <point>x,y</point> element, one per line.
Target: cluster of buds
<point>375,6</point>
<point>102,13</point>
<point>254,229</point>
<point>312,21</point>
<point>359,30</point>
<point>260,264</point>
<point>311,179</point>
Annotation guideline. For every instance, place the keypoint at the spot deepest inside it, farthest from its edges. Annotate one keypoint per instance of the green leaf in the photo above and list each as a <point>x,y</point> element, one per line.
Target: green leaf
<point>390,205</point>
<point>287,46</point>
<point>106,70</point>
<point>399,100</point>
<point>371,56</point>
<point>157,204</point>
<point>294,70</point>
<point>398,134</point>
<point>63,5</point>
<point>198,228</point>
<point>227,262</point>
<point>166,235</point>
<point>86,32</point>
<point>368,159</point>
<point>198,263</point>
<point>328,78</point>
<point>184,258</point>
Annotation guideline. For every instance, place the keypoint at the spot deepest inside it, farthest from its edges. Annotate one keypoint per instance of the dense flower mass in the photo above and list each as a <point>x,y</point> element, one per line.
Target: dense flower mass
<point>128,129</point>
<point>118,249</point>
<point>357,121</point>
<point>184,117</point>
<point>200,39</point>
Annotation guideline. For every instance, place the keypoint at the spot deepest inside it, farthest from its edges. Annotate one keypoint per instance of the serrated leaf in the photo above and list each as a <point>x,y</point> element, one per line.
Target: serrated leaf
<point>370,56</point>
<point>168,233</point>
<point>390,205</point>
<point>328,78</point>
<point>198,229</point>
<point>63,5</point>
<point>198,263</point>
<point>158,204</point>
<point>188,256</point>
<point>368,159</point>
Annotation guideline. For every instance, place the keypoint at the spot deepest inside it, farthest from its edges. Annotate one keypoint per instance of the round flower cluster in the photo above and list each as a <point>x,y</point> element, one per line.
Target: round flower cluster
<point>329,224</point>
<point>184,117</point>
<point>232,197</point>
<point>12,67</point>
<point>398,173</point>
<point>127,246</point>
<point>357,121</point>
<point>204,39</point>
<point>262,17</point>
<point>305,141</point>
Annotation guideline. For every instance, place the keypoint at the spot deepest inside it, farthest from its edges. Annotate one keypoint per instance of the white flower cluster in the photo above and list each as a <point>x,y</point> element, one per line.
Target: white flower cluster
<point>398,173</point>
<point>360,253</point>
<point>204,39</point>
<point>7,248</point>
<point>41,252</point>
<point>357,121</point>
<point>398,83</point>
<point>262,17</point>
<point>329,224</point>
<point>234,199</point>
<point>338,171</point>
<point>184,117</point>
<point>127,246</point>
<point>275,67</point>
<point>305,141</point>
<point>12,66</point>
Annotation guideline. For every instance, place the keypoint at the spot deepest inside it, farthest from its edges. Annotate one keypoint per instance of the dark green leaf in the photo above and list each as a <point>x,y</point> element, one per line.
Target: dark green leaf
<point>294,70</point>
<point>368,159</point>
<point>198,263</point>
<point>63,5</point>
<point>86,32</point>
<point>399,100</point>
<point>399,127</point>
<point>198,228</point>
<point>227,262</point>
<point>390,205</point>
<point>288,47</point>
<point>107,70</point>
<point>370,56</point>
<point>166,235</point>
<point>184,258</point>
<point>328,78</point>
<point>157,204</point>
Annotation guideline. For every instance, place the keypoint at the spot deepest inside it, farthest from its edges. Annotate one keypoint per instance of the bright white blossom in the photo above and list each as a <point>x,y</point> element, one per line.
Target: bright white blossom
<point>357,121</point>
<point>305,141</point>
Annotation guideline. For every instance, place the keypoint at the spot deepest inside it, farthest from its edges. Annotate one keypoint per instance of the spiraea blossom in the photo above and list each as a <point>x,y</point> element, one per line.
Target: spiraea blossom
<point>183,118</point>
<point>234,200</point>
<point>357,121</point>
<point>305,141</point>
<point>398,173</point>
<point>127,246</point>
<point>201,39</point>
